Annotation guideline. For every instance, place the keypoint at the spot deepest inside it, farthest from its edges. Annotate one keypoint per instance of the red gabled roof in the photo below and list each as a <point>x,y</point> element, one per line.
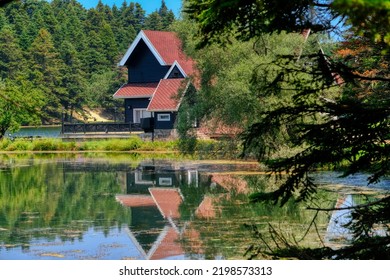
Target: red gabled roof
<point>166,47</point>
<point>135,90</point>
<point>168,201</point>
<point>165,96</point>
<point>167,44</point>
<point>169,246</point>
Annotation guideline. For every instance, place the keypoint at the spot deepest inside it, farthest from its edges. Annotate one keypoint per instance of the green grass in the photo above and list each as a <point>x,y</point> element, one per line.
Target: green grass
<point>117,145</point>
<point>203,148</point>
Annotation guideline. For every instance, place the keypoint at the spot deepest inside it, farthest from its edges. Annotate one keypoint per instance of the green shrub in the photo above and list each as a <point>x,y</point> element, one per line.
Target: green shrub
<point>45,145</point>
<point>4,143</point>
<point>20,145</point>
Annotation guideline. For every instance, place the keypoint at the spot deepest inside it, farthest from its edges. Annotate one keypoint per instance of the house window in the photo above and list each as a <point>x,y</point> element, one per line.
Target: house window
<point>140,180</point>
<point>164,117</point>
<point>165,181</point>
<point>193,178</point>
<point>139,114</point>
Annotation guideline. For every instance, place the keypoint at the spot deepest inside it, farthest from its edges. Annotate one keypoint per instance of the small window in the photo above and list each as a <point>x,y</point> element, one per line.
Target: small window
<point>164,181</point>
<point>164,117</point>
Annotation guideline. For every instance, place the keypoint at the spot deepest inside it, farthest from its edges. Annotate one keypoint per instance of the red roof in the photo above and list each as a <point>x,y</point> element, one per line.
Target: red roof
<point>168,201</point>
<point>136,90</point>
<point>165,96</point>
<point>231,183</point>
<point>166,47</point>
<point>169,46</point>
<point>135,200</point>
<point>206,208</point>
<point>169,246</point>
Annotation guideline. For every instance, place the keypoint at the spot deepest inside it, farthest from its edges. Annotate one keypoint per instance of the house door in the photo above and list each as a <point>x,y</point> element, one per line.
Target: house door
<point>139,114</point>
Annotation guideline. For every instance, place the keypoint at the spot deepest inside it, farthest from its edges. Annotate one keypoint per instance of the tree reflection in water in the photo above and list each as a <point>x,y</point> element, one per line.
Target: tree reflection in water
<point>82,208</point>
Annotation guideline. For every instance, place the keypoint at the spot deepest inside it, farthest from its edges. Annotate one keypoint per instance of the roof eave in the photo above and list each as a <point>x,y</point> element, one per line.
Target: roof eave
<point>163,110</point>
<point>132,97</point>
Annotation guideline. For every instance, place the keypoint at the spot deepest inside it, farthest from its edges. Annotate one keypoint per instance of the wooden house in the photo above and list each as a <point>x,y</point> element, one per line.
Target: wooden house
<point>157,72</point>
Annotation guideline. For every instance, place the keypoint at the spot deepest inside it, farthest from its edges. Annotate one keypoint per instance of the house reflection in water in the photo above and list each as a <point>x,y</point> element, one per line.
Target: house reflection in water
<point>154,194</point>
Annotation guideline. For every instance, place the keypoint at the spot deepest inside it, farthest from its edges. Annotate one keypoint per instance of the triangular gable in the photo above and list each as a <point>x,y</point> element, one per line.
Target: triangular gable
<point>141,36</point>
<point>174,66</point>
<point>166,48</point>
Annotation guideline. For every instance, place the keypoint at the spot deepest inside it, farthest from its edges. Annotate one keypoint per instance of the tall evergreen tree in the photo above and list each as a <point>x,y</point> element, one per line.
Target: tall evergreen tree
<point>154,21</point>
<point>45,71</point>
<point>167,16</point>
<point>11,55</point>
<point>109,45</point>
<point>139,17</point>
<point>73,79</point>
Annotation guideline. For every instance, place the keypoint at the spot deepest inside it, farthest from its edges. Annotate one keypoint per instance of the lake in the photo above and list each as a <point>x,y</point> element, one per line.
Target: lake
<point>126,206</point>
<point>41,131</point>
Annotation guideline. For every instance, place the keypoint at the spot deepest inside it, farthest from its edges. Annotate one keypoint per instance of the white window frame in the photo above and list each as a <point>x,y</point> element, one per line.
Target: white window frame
<point>193,177</point>
<point>165,181</point>
<point>143,114</point>
<point>138,179</point>
<point>164,117</point>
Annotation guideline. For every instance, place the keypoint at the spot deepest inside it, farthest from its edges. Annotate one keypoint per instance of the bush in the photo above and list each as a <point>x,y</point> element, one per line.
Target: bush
<point>4,143</point>
<point>45,145</point>
<point>20,145</point>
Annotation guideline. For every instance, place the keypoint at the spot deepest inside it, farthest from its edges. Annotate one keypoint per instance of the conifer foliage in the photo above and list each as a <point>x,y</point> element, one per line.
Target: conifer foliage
<point>338,113</point>
<point>60,48</point>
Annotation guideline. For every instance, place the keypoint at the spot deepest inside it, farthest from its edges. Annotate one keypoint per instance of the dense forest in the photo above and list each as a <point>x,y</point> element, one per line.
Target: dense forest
<point>58,57</point>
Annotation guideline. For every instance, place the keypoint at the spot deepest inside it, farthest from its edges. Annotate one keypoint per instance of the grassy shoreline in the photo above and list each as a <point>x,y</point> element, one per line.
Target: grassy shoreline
<point>203,148</point>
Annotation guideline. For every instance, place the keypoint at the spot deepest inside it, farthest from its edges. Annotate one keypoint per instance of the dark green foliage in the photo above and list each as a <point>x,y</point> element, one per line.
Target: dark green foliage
<point>60,47</point>
<point>247,19</point>
<point>338,113</point>
<point>161,19</point>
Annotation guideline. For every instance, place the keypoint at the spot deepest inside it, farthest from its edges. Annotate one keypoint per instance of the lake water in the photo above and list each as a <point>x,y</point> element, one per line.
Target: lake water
<point>44,132</point>
<point>83,206</point>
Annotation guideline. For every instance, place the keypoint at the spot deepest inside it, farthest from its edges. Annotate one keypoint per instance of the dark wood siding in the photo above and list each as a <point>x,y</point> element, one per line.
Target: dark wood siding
<point>130,104</point>
<point>143,67</point>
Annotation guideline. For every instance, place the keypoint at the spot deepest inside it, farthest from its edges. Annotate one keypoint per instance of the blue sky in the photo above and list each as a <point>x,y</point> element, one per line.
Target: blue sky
<point>148,5</point>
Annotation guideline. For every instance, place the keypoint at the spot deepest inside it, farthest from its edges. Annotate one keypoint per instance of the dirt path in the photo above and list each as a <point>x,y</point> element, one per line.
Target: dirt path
<point>94,117</point>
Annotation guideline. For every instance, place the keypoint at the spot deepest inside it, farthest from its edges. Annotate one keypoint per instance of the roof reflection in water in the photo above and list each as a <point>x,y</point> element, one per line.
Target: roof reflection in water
<point>154,196</point>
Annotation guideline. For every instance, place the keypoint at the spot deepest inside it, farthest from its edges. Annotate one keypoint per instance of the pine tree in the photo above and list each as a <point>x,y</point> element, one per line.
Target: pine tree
<point>109,44</point>
<point>167,16</point>
<point>11,56</point>
<point>45,71</point>
<point>73,78</point>
<point>154,21</point>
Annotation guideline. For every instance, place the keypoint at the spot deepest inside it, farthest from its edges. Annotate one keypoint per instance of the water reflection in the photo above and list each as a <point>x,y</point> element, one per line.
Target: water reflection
<point>163,201</point>
<point>86,209</point>
<point>83,208</point>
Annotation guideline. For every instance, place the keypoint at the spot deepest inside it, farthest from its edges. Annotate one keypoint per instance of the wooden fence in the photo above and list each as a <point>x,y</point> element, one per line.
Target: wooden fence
<point>99,127</point>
